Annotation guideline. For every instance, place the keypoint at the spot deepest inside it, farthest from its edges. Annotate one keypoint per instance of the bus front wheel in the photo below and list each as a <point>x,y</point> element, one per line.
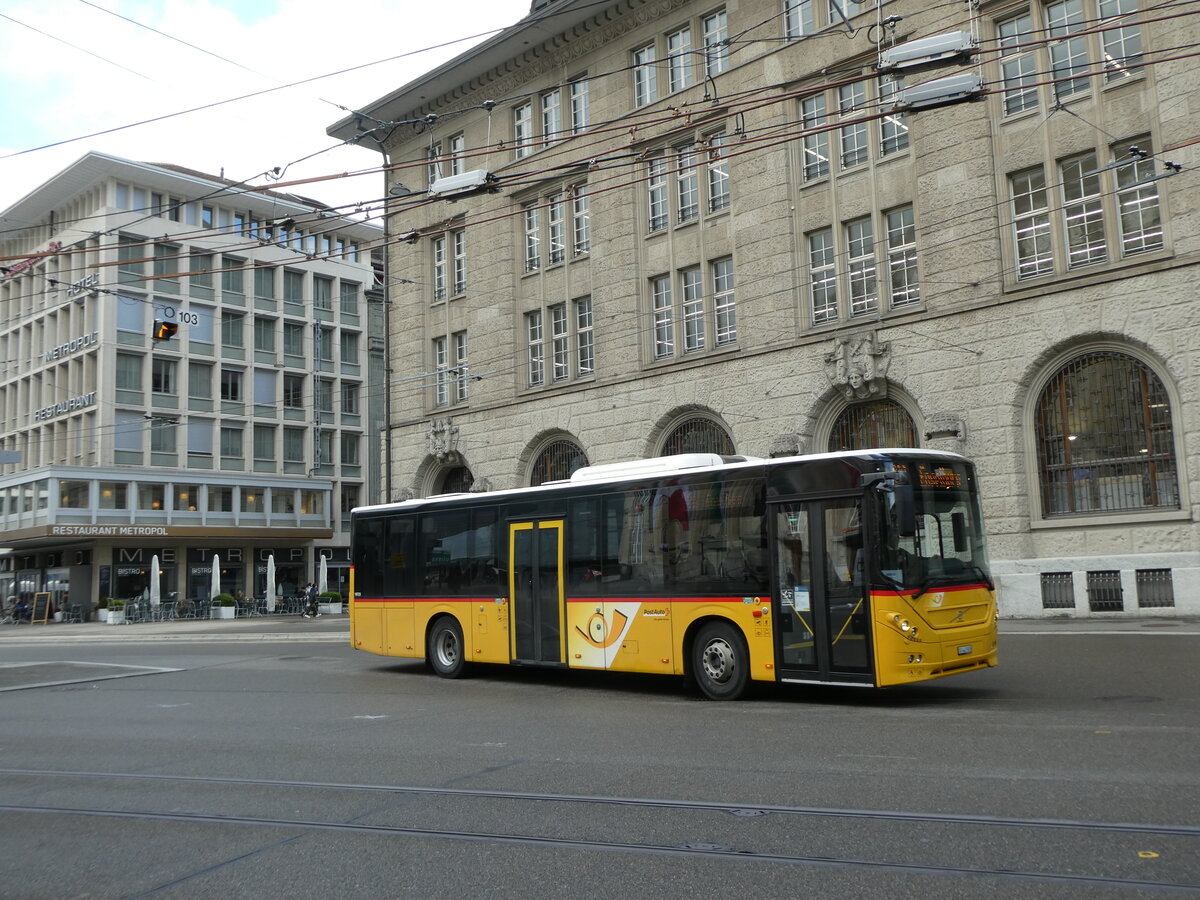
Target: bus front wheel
<point>720,662</point>
<point>445,651</point>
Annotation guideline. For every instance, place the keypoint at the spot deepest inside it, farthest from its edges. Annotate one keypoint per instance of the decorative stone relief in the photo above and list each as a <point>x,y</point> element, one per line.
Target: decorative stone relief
<point>786,445</point>
<point>857,365</point>
<point>481,485</point>
<point>945,431</point>
<point>442,441</point>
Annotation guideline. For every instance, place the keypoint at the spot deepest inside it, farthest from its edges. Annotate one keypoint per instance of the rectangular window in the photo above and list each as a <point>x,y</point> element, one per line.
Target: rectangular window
<point>166,265</point>
<point>893,126</point>
<point>220,499</point>
<point>679,59</point>
<point>231,329</point>
<point>1122,46</point>
<point>162,438</point>
<point>687,189</point>
<point>903,284</point>
<point>724,305</point>
<point>264,334</point>
<point>552,126</point>
<point>656,186</point>
<point>187,496</point>
<point>1068,47</point>
<point>231,385</point>
<point>324,396</point>
<point>580,219</point>
<point>441,368</point>
<point>458,147</point>
<point>692,289</point>
<point>231,442</point>
<point>293,391</point>
<point>584,340</point>
<point>129,372</point>
<point>201,279</point>
<point>664,317</point>
<point>523,130</point>
<point>556,228</point>
<point>265,391</point>
<point>162,376</point>
<point>580,113</point>
<point>293,286</point>
<point>814,145</point>
<point>200,380</point>
<point>264,442</point>
<point>851,100</point>
<point>438,248</point>
<point>232,275</point>
<point>860,246</point>
<point>325,448</point>
<point>349,348</point>
<point>322,293</point>
<point>264,282</point>
<point>350,446</point>
<point>1137,204</point>
<point>461,367</point>
<point>718,173</point>
<point>798,18</point>
<point>716,43</point>
<point>1082,211</point>
<point>349,398</point>
<point>559,342</point>
<point>1018,65</point>
<point>130,265</point>
<point>822,275</point>
<point>293,445</point>
<point>533,241</point>
<point>349,297</point>
<point>460,261</point>
<point>537,349</point>
<point>1031,223</point>
<point>293,339</point>
<point>433,167</point>
<point>645,76</point>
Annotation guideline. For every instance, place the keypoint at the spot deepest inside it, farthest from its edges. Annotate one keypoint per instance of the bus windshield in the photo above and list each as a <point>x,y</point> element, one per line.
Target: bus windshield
<point>942,542</point>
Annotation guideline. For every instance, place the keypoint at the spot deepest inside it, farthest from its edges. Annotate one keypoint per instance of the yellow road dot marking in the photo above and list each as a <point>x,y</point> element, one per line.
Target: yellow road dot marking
<point>1147,854</point>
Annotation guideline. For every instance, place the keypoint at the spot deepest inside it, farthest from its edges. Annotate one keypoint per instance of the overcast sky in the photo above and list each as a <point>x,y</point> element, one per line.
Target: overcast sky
<point>71,68</point>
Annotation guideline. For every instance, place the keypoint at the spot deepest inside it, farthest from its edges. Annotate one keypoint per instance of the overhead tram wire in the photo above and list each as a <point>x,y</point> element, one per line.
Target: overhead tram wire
<point>73,47</point>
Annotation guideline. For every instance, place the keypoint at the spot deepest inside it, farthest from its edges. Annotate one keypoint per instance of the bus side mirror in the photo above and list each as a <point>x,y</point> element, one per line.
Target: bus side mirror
<point>958,523</point>
<point>906,516</point>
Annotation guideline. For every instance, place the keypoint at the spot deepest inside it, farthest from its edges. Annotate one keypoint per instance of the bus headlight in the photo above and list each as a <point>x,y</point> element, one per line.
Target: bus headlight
<point>914,657</point>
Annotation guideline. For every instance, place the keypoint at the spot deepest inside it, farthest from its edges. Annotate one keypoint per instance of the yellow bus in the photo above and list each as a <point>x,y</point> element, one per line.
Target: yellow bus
<point>864,568</point>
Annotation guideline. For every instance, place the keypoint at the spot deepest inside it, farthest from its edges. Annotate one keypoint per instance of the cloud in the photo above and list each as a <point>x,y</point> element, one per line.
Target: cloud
<point>117,73</point>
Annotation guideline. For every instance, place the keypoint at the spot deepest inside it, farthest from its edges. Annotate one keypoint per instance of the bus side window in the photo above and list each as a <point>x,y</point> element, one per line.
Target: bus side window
<point>394,566</point>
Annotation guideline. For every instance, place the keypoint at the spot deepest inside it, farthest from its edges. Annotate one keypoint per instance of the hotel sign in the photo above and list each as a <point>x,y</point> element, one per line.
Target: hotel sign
<point>83,342</point>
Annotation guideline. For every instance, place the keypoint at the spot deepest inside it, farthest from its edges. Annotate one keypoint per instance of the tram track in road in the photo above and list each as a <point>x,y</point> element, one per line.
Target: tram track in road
<point>741,847</point>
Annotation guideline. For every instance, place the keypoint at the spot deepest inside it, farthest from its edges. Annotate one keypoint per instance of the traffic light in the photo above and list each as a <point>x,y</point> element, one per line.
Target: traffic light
<point>164,331</point>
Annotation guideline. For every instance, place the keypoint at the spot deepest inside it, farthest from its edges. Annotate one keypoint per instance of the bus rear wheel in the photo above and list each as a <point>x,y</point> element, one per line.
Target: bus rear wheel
<point>445,648</point>
<point>720,662</point>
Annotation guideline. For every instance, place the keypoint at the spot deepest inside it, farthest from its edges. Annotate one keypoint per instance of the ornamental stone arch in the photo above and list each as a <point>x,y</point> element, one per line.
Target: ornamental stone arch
<point>691,429</point>
<point>551,456</point>
<point>891,418</point>
<point>443,476</point>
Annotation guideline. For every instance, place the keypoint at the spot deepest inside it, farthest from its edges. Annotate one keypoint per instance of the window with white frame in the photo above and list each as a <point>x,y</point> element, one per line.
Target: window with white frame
<point>852,98</point>
<point>568,351</point>
<point>536,347</point>
<point>449,259</point>
<point>1104,208</point>
<point>645,75</point>
<point>798,18</point>
<point>859,127</point>
<point>585,344</point>
<point>814,145</point>
<point>706,313</point>
<point>441,370</point>
<point>522,130</point>
<point>580,104</point>
<point>674,181</point>
<point>552,122</point>
<point>679,59</point>
<point>545,223</point>
<point>457,145</point>
<point>460,261</point>
<point>1090,43</point>
<point>580,219</point>
<point>433,167</point>
<point>844,279</point>
<point>556,225</point>
<point>531,216</point>
<point>461,366</point>
<point>716,43</point>
<point>893,126</point>
<point>162,376</point>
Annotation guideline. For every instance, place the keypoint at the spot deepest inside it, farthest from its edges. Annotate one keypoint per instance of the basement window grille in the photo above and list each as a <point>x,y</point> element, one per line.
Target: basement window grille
<point>1155,588</point>
<point>1104,591</point>
<point>1058,590</point>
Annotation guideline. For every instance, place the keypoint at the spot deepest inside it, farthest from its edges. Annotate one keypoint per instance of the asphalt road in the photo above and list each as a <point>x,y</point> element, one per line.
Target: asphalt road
<point>278,761</point>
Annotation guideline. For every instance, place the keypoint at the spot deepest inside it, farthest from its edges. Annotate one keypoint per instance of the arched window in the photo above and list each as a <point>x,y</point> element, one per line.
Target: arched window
<point>1104,437</point>
<point>880,423</point>
<point>698,435</point>
<point>456,481</point>
<point>557,461</point>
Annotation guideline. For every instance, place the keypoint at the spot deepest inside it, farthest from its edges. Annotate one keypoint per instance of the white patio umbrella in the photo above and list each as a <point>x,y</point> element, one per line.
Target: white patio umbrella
<point>323,577</point>
<point>215,583</point>
<point>155,586</point>
<point>271,583</point>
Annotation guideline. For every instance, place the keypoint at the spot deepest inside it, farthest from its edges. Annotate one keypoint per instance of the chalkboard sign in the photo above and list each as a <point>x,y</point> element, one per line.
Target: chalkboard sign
<point>41,607</point>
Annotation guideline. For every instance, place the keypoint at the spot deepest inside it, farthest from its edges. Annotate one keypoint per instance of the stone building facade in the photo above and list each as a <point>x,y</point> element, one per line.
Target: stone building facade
<point>630,229</point>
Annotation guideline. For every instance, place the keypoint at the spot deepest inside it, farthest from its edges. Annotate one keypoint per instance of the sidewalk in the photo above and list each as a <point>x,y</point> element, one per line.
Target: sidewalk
<point>328,629</point>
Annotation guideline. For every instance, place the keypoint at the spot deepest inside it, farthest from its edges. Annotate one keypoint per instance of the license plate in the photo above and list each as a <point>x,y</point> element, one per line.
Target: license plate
<point>964,650</point>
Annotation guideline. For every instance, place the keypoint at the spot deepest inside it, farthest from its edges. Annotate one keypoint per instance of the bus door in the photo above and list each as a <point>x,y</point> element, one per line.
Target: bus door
<point>535,567</point>
<point>820,594</point>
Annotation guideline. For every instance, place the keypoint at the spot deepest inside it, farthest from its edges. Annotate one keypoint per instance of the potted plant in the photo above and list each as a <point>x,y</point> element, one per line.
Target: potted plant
<point>116,611</point>
<point>330,603</point>
<point>224,606</point>
<point>102,609</point>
